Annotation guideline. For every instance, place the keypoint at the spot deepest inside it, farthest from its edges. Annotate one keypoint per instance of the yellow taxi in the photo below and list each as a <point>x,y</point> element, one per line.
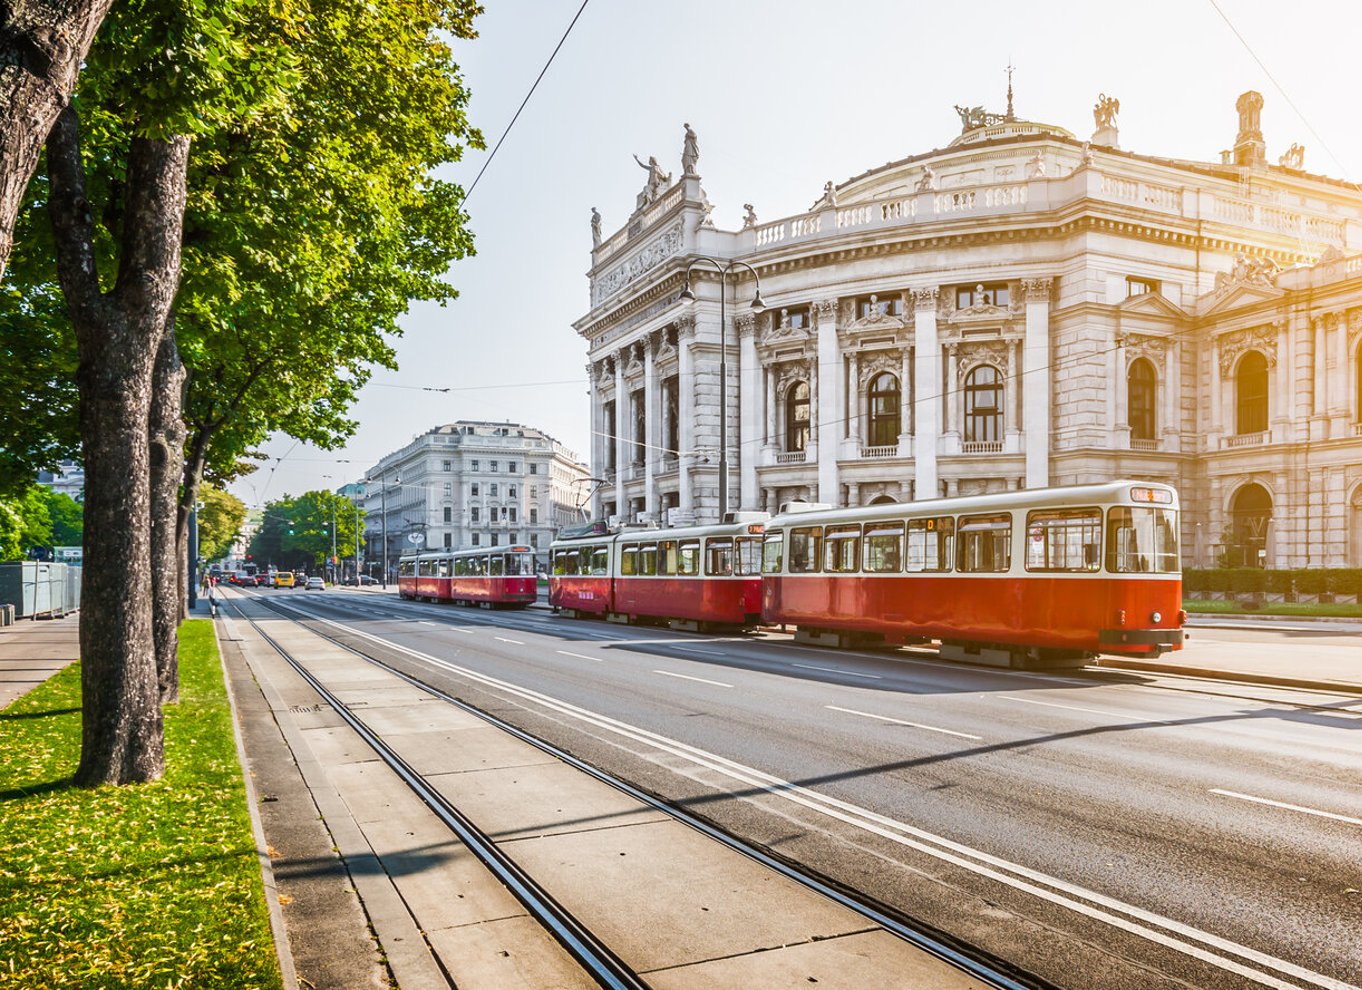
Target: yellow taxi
<point>283,579</point>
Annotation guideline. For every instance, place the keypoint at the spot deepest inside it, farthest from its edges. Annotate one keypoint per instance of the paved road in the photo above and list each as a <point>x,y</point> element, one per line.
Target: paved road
<point>1099,829</point>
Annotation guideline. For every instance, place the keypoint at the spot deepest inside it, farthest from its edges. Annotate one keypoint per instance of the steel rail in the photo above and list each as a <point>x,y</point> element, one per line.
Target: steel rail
<point>974,962</point>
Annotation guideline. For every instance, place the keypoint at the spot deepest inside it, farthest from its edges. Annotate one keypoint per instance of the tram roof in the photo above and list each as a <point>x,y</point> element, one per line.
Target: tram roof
<point>747,527</point>
<point>1068,496</point>
<point>469,552</point>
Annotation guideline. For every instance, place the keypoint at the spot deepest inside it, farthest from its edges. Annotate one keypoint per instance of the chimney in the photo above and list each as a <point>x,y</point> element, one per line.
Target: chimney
<point>1249,147</point>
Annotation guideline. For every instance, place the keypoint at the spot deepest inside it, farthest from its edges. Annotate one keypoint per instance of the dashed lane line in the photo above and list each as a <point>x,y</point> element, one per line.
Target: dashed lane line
<point>687,677</point>
<point>1288,807</point>
<point>899,721</point>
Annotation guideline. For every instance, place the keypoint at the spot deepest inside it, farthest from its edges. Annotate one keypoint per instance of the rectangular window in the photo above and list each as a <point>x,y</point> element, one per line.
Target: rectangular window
<point>449,487</point>
<point>492,490</point>
<point>930,544</point>
<point>474,489</point>
<point>492,466</point>
<point>534,516</point>
<point>442,566</point>
<point>1140,286</point>
<point>496,565</point>
<point>866,306</point>
<point>1064,540</point>
<point>460,566</point>
<point>883,548</point>
<point>629,560</point>
<point>565,562</point>
<point>446,465</point>
<point>449,514</point>
<point>749,555</point>
<point>475,465</point>
<point>510,491</point>
<point>666,558</point>
<point>985,544</point>
<point>987,294</point>
<point>511,466</point>
<point>534,540</point>
<point>449,540</point>
<point>513,519</point>
<point>719,556</point>
<point>1142,541</point>
<point>841,549</point>
<point>534,469</point>
<point>513,538</point>
<point>773,552</point>
<point>425,568</point>
<point>476,512</point>
<point>600,561</point>
<point>796,318</point>
<point>806,546</point>
<point>647,559</point>
<point>476,539</point>
<point>688,558</point>
<point>406,568</point>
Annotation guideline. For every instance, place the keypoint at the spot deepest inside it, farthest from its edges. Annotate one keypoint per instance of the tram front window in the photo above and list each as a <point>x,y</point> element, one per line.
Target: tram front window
<point>1142,541</point>
<point>520,565</point>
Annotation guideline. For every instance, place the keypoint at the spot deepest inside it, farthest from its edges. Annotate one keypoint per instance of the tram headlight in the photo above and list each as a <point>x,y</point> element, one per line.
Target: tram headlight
<point>1156,617</point>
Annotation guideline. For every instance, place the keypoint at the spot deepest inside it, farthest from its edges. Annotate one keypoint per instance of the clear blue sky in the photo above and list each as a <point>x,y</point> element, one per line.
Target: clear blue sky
<point>785,95</point>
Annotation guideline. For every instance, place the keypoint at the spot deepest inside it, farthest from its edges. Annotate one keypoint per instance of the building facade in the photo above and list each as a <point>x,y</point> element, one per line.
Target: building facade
<point>469,484</point>
<point>1021,308</point>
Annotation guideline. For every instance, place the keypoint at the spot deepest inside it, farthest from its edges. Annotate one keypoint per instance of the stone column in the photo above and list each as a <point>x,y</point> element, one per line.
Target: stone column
<point>1318,431</point>
<point>906,404</point>
<point>597,460</point>
<point>926,394</point>
<point>772,436</point>
<point>651,438</point>
<point>1172,397</point>
<point>1118,396</point>
<point>853,402</point>
<point>1213,428</point>
<point>829,399</point>
<point>1015,386</point>
<point>1036,360</point>
<point>685,406</point>
<point>749,411</point>
<point>1338,389</point>
<point>951,393</point>
<point>621,448</point>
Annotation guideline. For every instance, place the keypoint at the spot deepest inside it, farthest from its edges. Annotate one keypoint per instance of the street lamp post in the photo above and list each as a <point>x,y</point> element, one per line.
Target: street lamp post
<point>758,304</point>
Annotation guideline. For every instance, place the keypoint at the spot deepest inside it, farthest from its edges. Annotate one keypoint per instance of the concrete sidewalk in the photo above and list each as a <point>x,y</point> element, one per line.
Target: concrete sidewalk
<point>32,650</point>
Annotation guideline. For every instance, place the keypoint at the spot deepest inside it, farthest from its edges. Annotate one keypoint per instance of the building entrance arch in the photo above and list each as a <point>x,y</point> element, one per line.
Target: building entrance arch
<point>1250,518</point>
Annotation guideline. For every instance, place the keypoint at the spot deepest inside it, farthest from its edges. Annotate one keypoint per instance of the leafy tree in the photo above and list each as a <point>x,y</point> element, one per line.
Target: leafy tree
<point>24,523</point>
<point>68,519</point>
<point>295,533</point>
<point>220,522</point>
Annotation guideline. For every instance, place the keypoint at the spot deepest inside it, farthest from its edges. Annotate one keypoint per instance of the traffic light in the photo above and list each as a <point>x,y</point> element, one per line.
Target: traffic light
<point>290,531</point>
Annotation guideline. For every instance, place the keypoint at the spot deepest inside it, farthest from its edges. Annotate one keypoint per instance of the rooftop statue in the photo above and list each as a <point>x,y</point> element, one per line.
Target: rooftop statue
<point>972,117</point>
<point>749,218</point>
<point>595,227</point>
<point>657,181</point>
<point>1294,157</point>
<point>690,153</point>
<point>1104,113</point>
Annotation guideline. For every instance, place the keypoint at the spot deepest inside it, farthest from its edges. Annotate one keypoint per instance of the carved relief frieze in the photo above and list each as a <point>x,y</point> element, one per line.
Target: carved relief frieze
<point>1140,345</point>
<point>1354,322</point>
<point>1232,345</point>
<point>632,268</point>
<point>974,353</point>
<point>790,372</point>
<point>872,363</point>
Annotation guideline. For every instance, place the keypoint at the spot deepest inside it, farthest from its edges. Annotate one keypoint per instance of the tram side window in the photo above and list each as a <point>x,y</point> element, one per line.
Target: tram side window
<point>565,562</point>
<point>805,549</point>
<point>1142,541</point>
<point>629,560</point>
<point>749,555</point>
<point>931,544</point>
<point>600,561</point>
<point>719,557</point>
<point>425,568</point>
<point>666,557</point>
<point>443,567</point>
<point>688,558</point>
<point>1064,540</point>
<point>406,568</point>
<point>841,548</point>
<point>495,565</point>
<point>647,559</point>
<point>985,544</point>
<point>461,567</point>
<point>520,564</point>
<point>477,566</point>
<point>773,552</point>
<point>883,548</point>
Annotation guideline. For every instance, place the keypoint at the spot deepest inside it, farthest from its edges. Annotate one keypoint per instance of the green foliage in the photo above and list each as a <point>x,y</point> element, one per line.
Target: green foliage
<point>1280,582</point>
<point>1274,608</point>
<point>296,532</point>
<point>68,519</point>
<point>25,522</point>
<point>1195,579</point>
<point>1346,581</point>
<point>1244,580</point>
<point>220,521</point>
<point>1312,581</point>
<point>150,886</point>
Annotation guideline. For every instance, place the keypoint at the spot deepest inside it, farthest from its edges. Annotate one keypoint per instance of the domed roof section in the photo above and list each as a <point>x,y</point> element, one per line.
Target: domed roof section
<point>1010,129</point>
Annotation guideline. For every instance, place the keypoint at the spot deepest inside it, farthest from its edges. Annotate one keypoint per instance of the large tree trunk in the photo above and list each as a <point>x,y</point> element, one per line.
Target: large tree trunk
<point>42,44</point>
<point>167,434</point>
<point>118,335</point>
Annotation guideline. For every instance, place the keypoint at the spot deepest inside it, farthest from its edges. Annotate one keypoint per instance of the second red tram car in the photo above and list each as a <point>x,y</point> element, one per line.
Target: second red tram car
<point>1041,576</point>
<point>492,577</point>
<point>696,576</point>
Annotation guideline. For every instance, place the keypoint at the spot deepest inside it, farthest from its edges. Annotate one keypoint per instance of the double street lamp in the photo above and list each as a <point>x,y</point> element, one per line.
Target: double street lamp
<point>758,304</point>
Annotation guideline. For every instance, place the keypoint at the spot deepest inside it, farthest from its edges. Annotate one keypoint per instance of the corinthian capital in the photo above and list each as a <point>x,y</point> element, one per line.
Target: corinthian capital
<point>826,311</point>
<point>685,326</point>
<point>925,298</point>
<point>746,324</point>
<point>1037,289</point>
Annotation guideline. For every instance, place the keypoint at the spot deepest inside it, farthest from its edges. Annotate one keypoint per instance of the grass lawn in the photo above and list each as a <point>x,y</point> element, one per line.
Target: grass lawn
<point>1333,610</point>
<point>153,886</point>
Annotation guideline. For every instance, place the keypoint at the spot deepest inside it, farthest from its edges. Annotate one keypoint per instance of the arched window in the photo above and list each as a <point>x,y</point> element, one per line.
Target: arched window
<point>1250,401</point>
<point>797,416</point>
<point>884,410</point>
<point>1250,514</point>
<point>882,500</point>
<point>983,405</point>
<point>1141,384</point>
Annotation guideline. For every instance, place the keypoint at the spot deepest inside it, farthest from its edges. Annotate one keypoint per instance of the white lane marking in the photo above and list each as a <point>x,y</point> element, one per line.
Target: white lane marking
<point>503,639</point>
<point>1073,708</point>
<point>469,632</point>
<point>898,721</point>
<point>425,622</point>
<point>1288,807</point>
<point>687,677</point>
<point>700,649</point>
<point>580,656</point>
<point>834,670</point>
<point>1132,919</point>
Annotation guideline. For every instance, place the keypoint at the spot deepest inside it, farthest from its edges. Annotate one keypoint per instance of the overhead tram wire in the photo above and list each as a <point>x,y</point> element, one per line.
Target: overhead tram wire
<point>545,69</point>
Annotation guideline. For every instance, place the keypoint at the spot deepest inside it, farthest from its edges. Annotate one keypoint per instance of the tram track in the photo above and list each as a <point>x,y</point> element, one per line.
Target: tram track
<point>597,959</point>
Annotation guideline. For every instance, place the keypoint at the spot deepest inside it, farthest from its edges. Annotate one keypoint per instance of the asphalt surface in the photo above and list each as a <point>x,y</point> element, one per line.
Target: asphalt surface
<point>1097,828</point>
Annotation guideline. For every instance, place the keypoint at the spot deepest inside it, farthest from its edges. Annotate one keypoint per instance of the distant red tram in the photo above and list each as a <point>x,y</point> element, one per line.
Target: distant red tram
<point>693,577</point>
<point>1034,577</point>
<point>492,577</point>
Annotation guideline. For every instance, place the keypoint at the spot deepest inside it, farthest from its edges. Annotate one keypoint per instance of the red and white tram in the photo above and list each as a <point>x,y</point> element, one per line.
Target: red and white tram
<point>695,577</point>
<point>492,577</point>
<point>1041,576</point>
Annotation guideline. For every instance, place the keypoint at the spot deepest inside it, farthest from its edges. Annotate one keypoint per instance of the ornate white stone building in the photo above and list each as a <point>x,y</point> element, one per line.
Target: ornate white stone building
<point>1018,309</point>
<point>473,483</point>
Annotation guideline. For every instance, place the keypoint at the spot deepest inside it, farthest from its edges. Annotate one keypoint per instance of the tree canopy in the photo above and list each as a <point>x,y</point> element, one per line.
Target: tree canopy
<point>296,532</point>
<point>220,520</point>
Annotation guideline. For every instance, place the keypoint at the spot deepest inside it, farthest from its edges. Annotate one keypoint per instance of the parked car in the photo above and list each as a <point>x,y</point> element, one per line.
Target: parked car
<point>316,584</point>
<point>283,579</point>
